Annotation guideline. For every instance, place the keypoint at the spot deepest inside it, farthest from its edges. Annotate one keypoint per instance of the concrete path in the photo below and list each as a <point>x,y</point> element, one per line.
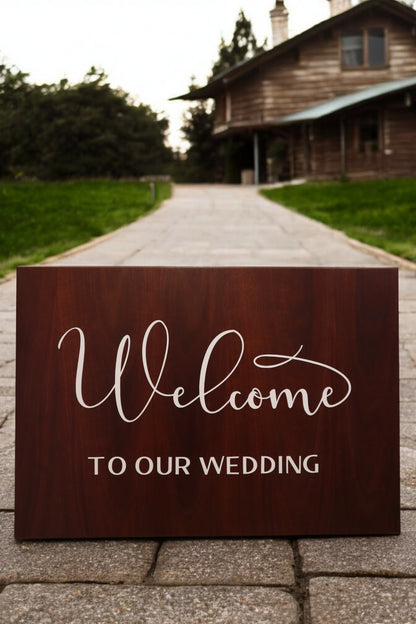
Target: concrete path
<point>305,581</point>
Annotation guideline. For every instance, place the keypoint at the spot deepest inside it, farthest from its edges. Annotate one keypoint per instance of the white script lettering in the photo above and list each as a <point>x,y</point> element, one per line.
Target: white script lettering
<point>237,401</point>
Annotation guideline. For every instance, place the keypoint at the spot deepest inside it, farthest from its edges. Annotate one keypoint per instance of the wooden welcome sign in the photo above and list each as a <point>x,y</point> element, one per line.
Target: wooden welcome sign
<point>168,402</point>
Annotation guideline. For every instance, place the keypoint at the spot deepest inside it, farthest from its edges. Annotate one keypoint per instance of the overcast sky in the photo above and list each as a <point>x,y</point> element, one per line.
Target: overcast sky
<point>149,48</point>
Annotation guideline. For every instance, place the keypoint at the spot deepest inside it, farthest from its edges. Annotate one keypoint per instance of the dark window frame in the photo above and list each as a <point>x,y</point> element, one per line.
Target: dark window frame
<point>369,53</point>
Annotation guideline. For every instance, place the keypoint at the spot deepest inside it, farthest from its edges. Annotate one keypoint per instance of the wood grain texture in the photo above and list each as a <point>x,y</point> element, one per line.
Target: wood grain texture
<point>343,318</point>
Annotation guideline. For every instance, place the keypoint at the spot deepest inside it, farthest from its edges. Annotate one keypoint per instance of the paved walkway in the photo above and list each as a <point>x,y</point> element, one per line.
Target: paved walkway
<point>305,581</point>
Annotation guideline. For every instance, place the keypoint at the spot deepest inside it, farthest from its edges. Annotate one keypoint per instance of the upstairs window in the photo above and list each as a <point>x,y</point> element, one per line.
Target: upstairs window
<point>352,45</point>
<point>376,47</point>
<point>364,48</point>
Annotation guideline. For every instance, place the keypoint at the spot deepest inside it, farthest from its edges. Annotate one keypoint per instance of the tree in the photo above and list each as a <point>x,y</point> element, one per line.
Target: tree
<point>83,130</point>
<point>201,157</point>
<point>94,130</point>
<point>206,160</point>
<point>14,94</point>
<point>242,46</point>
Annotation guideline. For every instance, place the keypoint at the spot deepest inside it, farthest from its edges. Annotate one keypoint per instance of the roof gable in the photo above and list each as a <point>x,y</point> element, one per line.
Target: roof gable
<point>393,7</point>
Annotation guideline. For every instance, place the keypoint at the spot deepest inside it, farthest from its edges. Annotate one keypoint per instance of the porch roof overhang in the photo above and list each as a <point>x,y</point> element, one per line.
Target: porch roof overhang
<point>345,102</point>
<point>240,127</point>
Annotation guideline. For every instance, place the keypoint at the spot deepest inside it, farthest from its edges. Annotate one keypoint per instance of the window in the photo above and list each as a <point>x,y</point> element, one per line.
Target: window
<point>376,47</point>
<point>368,134</point>
<point>352,45</point>
<point>364,48</point>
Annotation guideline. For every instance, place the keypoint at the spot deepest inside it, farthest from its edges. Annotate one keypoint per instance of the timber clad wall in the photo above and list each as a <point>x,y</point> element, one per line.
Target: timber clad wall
<point>402,160</point>
<point>299,168</point>
<point>326,157</point>
<point>244,106</point>
<point>220,110</point>
<point>396,155</point>
<point>402,40</point>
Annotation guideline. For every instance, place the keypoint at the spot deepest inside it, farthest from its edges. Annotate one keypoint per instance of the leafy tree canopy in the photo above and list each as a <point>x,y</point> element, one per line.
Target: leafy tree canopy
<point>84,130</point>
<point>242,46</point>
<point>198,123</point>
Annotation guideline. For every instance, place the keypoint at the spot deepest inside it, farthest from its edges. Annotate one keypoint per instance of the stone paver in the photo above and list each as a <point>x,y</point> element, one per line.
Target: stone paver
<point>306,581</point>
<point>98,561</point>
<point>79,604</point>
<point>7,436</point>
<point>363,601</point>
<point>382,556</point>
<point>408,477</point>
<point>408,412</point>
<point>237,562</point>
<point>408,434</point>
<point>6,409</point>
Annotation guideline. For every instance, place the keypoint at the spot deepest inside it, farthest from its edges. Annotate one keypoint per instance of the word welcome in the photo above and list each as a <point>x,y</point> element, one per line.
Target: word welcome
<point>238,400</point>
<point>229,465</point>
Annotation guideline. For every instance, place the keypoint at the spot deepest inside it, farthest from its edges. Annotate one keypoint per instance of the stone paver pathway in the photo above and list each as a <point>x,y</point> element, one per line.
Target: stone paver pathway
<point>305,581</point>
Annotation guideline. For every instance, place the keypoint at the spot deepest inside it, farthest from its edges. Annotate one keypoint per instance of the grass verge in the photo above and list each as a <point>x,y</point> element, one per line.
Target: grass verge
<point>41,219</point>
<point>380,213</point>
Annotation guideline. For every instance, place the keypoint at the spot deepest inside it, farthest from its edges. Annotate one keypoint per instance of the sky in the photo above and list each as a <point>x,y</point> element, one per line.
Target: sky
<point>149,48</point>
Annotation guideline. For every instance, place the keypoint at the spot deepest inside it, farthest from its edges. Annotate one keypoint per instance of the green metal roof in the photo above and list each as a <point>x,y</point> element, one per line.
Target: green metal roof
<point>347,101</point>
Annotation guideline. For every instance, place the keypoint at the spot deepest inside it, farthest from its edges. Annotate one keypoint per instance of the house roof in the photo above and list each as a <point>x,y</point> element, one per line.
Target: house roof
<point>217,83</point>
<point>344,102</point>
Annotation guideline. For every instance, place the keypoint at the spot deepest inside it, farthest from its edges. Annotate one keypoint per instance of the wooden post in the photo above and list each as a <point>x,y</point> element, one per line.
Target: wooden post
<point>292,155</point>
<point>306,150</point>
<point>343,148</point>
<point>256,159</point>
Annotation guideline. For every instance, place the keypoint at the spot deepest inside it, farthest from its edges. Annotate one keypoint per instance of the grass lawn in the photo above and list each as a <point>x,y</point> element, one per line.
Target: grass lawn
<point>381,213</point>
<point>41,219</point>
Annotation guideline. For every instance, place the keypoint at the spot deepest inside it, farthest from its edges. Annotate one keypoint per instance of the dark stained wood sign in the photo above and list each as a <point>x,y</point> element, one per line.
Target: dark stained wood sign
<point>172,402</point>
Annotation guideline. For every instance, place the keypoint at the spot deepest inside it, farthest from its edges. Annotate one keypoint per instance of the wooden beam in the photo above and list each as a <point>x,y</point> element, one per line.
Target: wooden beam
<point>256,158</point>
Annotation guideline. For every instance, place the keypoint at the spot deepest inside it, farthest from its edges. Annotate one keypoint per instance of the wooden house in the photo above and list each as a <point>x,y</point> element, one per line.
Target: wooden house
<point>336,100</point>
